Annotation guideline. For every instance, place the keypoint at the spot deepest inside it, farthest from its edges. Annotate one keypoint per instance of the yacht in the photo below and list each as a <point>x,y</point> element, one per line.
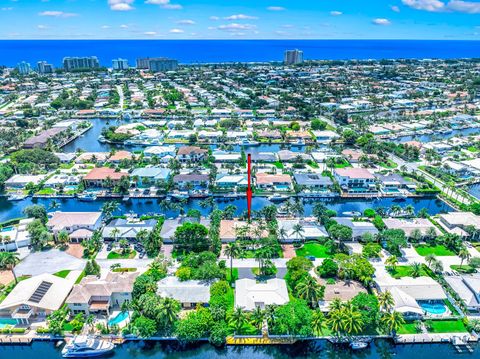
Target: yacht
<point>352,214</point>
<point>16,196</point>
<point>278,197</point>
<point>102,139</point>
<point>179,195</point>
<point>86,346</point>
<point>246,142</point>
<point>356,345</point>
<point>88,197</point>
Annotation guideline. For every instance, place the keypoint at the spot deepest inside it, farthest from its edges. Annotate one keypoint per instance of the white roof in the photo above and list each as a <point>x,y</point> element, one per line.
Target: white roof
<point>421,288</point>
<point>249,294</point>
<point>51,300</point>
<point>190,291</point>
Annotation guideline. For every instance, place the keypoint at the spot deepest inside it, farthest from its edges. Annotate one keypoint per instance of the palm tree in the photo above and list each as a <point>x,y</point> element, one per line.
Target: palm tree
<point>8,260</point>
<point>392,261</point>
<point>386,300</point>
<point>335,304</point>
<point>416,270</point>
<point>309,290</point>
<point>318,322</point>
<point>257,317</point>
<point>232,250</point>
<point>114,233</point>
<point>352,321</point>
<point>430,258</point>
<point>237,320</point>
<point>282,234</point>
<point>298,231</point>
<point>392,321</point>
<point>335,321</point>
<point>169,309</point>
<point>463,253</point>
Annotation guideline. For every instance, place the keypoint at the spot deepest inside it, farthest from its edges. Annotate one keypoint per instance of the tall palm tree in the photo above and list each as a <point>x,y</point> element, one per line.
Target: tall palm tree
<point>169,309</point>
<point>335,321</point>
<point>386,301</point>
<point>257,317</point>
<point>392,321</point>
<point>232,251</point>
<point>8,260</point>
<point>335,304</point>
<point>238,320</point>
<point>430,258</point>
<point>392,261</point>
<point>298,231</point>
<point>318,322</point>
<point>463,253</point>
<point>416,270</point>
<point>282,234</point>
<point>309,290</point>
<point>352,321</point>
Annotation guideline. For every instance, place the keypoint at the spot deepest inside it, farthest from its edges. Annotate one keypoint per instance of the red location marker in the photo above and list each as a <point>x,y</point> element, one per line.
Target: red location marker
<point>249,188</point>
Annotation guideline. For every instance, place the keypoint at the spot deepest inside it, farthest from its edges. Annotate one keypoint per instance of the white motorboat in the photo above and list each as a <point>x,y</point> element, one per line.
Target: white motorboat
<point>356,345</point>
<point>246,142</point>
<point>278,197</point>
<point>352,214</point>
<point>88,197</point>
<point>86,346</point>
<point>16,196</point>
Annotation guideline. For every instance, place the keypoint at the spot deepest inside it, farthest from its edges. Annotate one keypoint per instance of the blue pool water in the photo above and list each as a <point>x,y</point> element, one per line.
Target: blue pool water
<point>6,322</point>
<point>436,309</point>
<point>120,317</point>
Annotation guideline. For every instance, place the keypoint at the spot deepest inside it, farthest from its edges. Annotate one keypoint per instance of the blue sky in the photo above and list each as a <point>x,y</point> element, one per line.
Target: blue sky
<point>239,19</point>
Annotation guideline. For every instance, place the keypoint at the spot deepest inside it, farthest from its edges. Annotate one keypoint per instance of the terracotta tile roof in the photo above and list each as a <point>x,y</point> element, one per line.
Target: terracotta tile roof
<point>102,173</point>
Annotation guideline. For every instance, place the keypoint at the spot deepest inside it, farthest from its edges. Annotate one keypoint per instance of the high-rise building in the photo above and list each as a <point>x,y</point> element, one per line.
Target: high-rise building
<point>293,57</point>
<point>80,63</point>
<point>120,64</point>
<point>44,68</point>
<point>162,64</point>
<point>142,63</point>
<point>24,68</point>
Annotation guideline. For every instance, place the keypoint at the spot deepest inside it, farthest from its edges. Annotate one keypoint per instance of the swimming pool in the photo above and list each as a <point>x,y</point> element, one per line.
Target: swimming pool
<point>7,322</point>
<point>120,317</point>
<point>6,229</point>
<point>434,308</point>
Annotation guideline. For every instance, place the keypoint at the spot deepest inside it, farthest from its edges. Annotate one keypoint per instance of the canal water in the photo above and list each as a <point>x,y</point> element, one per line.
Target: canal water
<point>320,349</point>
<point>10,210</point>
<point>438,136</point>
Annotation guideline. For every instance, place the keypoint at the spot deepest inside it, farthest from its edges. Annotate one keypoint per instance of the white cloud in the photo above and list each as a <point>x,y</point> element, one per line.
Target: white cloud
<point>176,31</point>
<point>106,26</point>
<point>186,22</point>
<point>381,21</point>
<point>164,4</point>
<point>57,14</point>
<point>234,27</point>
<point>276,8</point>
<point>6,8</point>
<point>336,13</point>
<point>428,5</point>
<point>121,5</point>
<point>124,26</point>
<point>214,18</point>
<point>150,33</point>
<point>241,17</point>
<point>467,7</point>
<point>395,8</point>
<point>42,27</point>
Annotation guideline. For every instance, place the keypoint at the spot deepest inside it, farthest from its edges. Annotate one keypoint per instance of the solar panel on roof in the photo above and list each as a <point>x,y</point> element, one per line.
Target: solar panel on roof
<point>40,292</point>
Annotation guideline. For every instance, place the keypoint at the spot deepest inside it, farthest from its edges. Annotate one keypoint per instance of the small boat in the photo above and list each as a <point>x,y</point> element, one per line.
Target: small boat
<point>179,195</point>
<point>16,197</point>
<point>278,197</point>
<point>352,214</point>
<point>101,139</point>
<point>86,347</point>
<point>249,143</point>
<point>356,345</point>
<point>88,197</point>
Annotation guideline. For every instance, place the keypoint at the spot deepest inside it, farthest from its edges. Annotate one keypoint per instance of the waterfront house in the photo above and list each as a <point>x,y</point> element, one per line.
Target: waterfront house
<point>410,293</point>
<point>170,226</point>
<point>467,287</point>
<point>231,181</point>
<point>457,222</point>
<point>359,228</point>
<point>79,225</point>
<point>355,180</point>
<point>250,294</point>
<point>224,156</point>
<point>20,181</point>
<point>148,176</point>
<point>325,137</point>
<point>311,230</point>
<point>313,182</point>
<point>160,151</point>
<point>15,236</point>
<point>103,177</point>
<point>120,156</point>
<point>92,157</point>
<point>33,299</point>
<point>191,154</point>
<point>231,229</point>
<point>422,225</point>
<point>127,228</point>
<point>44,138</point>
<point>264,157</point>
<point>269,182</point>
<point>191,181</point>
<point>189,293</point>
<point>100,296</point>
<point>290,156</point>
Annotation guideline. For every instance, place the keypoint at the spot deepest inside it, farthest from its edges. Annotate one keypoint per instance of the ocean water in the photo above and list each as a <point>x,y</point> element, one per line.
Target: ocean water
<point>208,51</point>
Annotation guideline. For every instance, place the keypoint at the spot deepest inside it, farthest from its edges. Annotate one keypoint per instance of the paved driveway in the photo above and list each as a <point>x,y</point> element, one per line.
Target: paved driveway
<point>51,261</point>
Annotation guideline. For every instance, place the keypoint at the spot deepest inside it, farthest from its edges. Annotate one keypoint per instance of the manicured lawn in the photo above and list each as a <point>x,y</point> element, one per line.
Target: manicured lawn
<point>446,326</point>
<point>123,270</point>
<point>408,328</point>
<point>313,249</point>
<point>279,165</point>
<point>62,273</point>
<point>439,250</point>
<point>118,255</point>
<point>389,164</point>
<point>46,191</point>
<point>235,274</point>
<point>251,254</point>
<point>342,164</point>
<point>405,271</point>
<point>80,277</point>
<point>465,268</point>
